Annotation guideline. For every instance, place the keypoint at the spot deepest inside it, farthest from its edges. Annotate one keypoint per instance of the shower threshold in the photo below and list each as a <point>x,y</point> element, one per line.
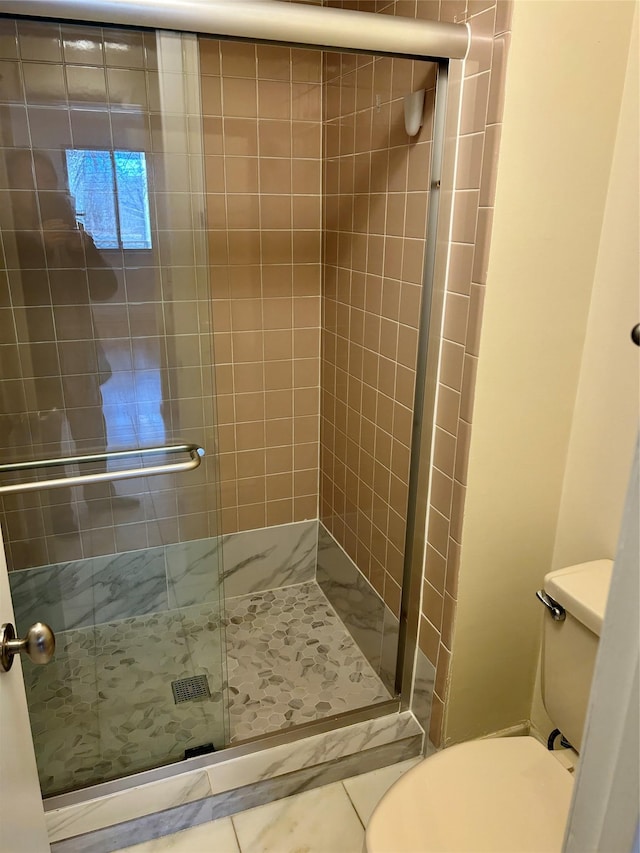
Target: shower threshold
<point>167,799</point>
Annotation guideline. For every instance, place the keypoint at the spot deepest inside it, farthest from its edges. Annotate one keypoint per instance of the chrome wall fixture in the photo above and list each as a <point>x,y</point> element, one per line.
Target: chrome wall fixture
<point>195,458</point>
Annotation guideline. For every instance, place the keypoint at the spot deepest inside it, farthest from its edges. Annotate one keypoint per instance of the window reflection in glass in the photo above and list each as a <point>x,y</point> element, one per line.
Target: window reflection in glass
<point>111,195</point>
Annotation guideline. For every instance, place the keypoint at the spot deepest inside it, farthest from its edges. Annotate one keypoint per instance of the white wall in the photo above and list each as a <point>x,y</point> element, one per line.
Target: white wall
<point>564,86</point>
<point>605,416</point>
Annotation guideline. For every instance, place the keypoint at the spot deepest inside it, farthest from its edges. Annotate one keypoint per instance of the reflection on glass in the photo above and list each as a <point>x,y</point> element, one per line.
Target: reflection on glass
<point>77,215</point>
<point>98,180</point>
<point>105,320</point>
<point>92,184</point>
<point>46,223</point>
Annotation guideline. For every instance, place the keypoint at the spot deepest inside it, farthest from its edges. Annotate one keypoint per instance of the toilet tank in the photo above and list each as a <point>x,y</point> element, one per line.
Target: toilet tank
<point>569,646</point>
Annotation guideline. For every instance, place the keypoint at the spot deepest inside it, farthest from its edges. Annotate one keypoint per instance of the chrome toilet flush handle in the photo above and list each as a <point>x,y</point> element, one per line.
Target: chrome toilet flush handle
<point>558,613</point>
<point>39,644</point>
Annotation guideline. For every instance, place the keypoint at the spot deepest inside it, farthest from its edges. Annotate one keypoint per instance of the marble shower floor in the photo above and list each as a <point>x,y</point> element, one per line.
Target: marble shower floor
<point>104,707</point>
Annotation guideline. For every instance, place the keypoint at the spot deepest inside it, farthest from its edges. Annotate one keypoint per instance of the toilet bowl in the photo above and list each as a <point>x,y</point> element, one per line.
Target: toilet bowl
<point>507,794</point>
<point>500,796</point>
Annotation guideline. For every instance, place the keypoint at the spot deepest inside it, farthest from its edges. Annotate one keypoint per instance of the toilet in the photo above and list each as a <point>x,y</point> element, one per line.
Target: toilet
<point>507,794</point>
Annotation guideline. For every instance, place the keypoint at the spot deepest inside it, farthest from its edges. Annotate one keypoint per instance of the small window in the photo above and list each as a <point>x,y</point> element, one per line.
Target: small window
<point>111,196</point>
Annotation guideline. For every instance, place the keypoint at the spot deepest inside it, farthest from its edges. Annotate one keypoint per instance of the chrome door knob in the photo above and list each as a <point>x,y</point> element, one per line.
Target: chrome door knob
<point>39,644</point>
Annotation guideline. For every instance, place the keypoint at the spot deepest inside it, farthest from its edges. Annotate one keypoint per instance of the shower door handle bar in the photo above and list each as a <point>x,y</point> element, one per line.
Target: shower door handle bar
<point>194,450</point>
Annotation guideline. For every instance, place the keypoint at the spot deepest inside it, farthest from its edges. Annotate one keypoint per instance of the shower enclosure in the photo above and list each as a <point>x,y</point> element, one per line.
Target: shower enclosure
<point>213,254</point>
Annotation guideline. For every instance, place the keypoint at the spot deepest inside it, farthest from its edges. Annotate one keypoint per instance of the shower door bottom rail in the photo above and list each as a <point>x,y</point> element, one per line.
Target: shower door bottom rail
<point>194,451</point>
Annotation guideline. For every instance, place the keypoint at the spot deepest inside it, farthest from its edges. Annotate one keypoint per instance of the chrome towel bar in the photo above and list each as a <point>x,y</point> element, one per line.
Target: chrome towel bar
<point>194,450</point>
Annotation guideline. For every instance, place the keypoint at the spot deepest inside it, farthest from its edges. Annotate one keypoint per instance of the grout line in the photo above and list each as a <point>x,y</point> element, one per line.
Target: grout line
<point>235,831</point>
<point>353,805</point>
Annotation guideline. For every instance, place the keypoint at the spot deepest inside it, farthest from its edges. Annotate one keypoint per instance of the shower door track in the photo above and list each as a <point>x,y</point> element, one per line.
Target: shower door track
<point>246,747</point>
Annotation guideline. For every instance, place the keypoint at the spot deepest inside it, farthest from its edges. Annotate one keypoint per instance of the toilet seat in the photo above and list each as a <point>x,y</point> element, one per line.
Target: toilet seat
<point>502,794</point>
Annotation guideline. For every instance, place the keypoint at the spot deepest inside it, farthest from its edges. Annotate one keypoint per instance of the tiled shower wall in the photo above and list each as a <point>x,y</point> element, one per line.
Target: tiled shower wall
<point>376,195</point>
<point>119,333</point>
<point>482,98</point>
<point>482,95</point>
<point>262,122</point>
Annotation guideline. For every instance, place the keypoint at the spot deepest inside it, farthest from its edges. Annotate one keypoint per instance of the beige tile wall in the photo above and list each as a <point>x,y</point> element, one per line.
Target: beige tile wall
<point>473,201</point>
<point>376,195</point>
<point>262,117</point>
<point>87,333</point>
<point>473,209</point>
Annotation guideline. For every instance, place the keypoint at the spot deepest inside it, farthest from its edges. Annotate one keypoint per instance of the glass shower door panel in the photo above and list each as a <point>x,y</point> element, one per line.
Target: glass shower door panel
<point>105,346</point>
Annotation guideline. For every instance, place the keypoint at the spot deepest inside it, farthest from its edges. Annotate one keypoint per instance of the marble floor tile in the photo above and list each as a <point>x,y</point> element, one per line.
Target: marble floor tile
<point>328,819</point>
<point>366,791</point>
<point>319,821</point>
<point>123,806</point>
<point>216,836</point>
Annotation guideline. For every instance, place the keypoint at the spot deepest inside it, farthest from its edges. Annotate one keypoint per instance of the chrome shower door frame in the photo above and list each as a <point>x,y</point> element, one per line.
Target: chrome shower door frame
<point>434,277</point>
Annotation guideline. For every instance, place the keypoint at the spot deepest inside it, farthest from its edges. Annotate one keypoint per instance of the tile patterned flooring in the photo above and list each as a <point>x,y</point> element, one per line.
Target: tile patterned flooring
<point>331,819</point>
<point>104,707</point>
<point>291,660</point>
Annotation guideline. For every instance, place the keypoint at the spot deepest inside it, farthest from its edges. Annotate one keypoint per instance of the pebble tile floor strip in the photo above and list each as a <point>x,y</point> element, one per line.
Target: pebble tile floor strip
<point>104,707</point>
<point>291,660</point>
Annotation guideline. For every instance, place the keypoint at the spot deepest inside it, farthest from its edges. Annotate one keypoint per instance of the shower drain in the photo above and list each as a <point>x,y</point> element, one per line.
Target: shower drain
<point>190,689</point>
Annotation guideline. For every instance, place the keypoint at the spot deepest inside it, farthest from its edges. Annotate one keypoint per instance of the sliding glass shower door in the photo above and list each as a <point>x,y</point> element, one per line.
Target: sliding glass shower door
<point>105,350</point>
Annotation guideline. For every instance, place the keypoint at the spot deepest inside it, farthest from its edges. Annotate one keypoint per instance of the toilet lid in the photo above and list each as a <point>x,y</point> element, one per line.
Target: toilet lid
<point>502,794</point>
